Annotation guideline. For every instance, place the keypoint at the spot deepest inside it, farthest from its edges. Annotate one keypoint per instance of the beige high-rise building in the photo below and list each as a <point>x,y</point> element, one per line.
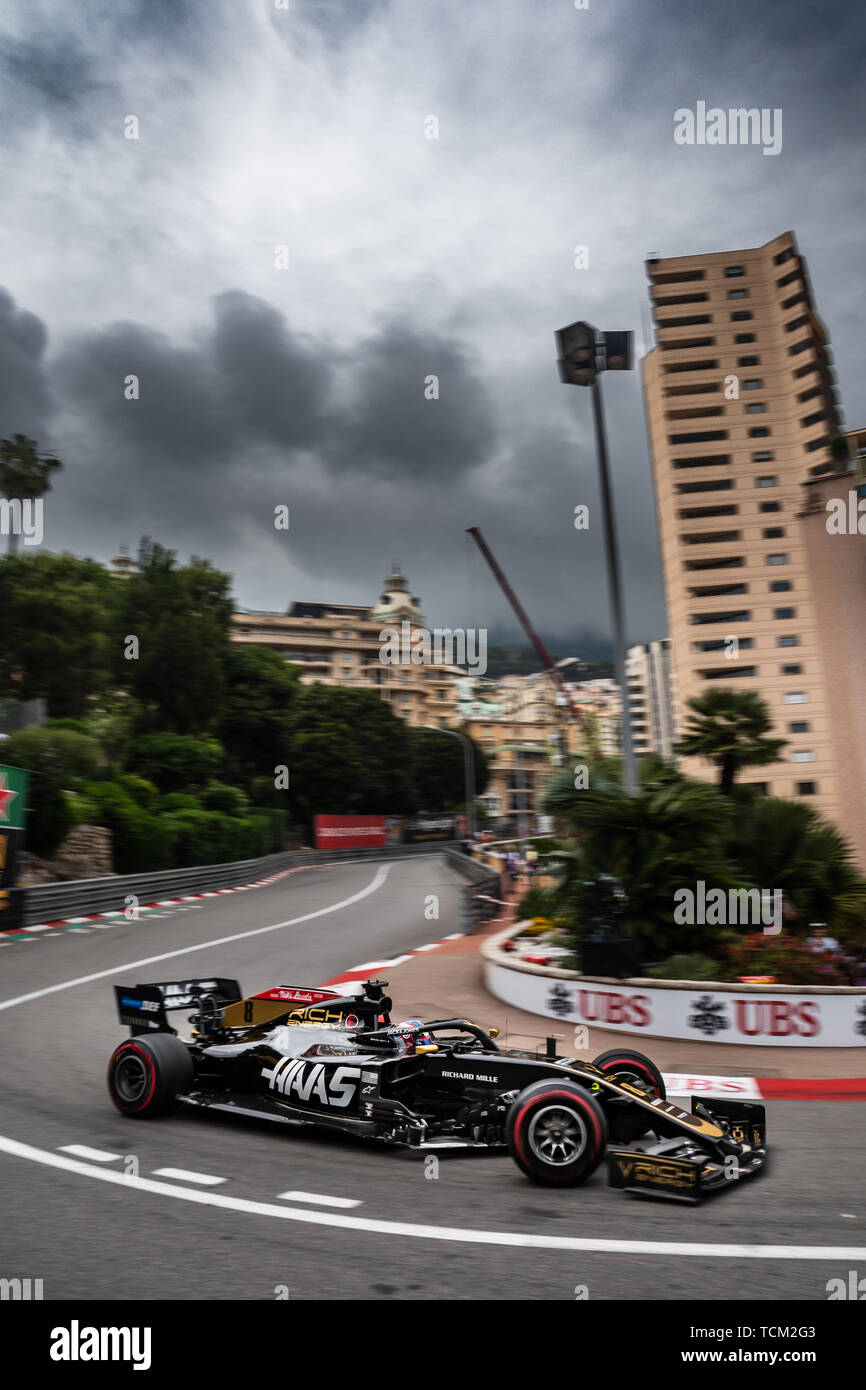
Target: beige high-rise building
<point>741,407</point>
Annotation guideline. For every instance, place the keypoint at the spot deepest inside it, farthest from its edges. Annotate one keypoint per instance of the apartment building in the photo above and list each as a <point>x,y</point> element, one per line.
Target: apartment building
<point>648,673</point>
<point>741,405</point>
<point>341,644</point>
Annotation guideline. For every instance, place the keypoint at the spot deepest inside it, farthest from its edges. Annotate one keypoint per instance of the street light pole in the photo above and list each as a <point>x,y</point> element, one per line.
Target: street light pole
<point>468,772</point>
<point>614,583</point>
<point>583,354</point>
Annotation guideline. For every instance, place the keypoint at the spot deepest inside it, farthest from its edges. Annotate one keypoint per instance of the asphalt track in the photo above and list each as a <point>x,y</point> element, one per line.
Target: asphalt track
<point>102,1207</point>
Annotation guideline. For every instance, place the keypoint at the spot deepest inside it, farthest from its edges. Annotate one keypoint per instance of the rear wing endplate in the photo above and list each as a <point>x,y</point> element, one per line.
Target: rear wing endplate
<point>144,1008</point>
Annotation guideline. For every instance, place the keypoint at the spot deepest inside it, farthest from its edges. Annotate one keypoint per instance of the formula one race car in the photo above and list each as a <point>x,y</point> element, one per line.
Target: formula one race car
<point>335,1060</point>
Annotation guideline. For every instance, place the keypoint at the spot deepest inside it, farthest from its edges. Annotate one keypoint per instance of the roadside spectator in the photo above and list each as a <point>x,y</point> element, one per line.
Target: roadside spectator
<point>531,859</point>
<point>511,864</point>
<point>819,941</point>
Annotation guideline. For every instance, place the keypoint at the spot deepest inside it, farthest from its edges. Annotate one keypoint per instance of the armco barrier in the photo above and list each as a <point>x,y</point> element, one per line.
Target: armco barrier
<point>55,902</point>
<point>699,1010</point>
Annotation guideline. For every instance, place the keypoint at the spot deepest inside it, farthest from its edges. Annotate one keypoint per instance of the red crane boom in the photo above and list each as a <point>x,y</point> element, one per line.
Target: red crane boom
<point>543,654</point>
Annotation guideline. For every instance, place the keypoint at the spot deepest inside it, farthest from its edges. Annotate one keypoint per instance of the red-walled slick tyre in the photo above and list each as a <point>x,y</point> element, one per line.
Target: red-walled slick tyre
<point>556,1132</point>
<point>145,1074</point>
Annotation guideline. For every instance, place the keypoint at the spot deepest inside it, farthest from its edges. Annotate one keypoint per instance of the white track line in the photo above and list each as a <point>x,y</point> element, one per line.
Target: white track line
<point>184,1175</point>
<point>317,1199</point>
<point>416,1231</point>
<point>85,1151</point>
<point>374,884</point>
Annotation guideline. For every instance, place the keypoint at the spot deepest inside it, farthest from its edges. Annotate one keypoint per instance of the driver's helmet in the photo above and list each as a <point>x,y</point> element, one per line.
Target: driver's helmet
<point>411,1030</point>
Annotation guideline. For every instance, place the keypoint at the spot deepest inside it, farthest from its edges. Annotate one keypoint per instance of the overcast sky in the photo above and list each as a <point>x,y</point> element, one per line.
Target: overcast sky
<point>262,127</point>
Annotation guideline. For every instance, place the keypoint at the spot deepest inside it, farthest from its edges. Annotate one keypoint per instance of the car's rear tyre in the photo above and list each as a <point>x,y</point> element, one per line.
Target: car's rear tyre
<point>146,1074</point>
<point>626,1122</point>
<point>556,1132</point>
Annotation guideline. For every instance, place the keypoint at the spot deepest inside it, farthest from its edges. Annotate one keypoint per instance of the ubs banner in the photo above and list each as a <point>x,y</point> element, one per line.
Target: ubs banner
<point>13,808</point>
<point>771,1017</point>
<point>350,832</point>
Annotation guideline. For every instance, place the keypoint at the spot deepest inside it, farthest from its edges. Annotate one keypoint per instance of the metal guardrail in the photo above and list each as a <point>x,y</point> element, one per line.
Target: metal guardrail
<point>54,902</point>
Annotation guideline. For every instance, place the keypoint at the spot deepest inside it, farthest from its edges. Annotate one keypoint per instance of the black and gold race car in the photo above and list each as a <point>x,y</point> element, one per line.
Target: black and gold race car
<point>336,1060</point>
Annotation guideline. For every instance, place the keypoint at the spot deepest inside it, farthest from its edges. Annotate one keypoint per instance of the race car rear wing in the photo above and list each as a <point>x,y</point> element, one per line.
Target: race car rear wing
<point>143,1008</point>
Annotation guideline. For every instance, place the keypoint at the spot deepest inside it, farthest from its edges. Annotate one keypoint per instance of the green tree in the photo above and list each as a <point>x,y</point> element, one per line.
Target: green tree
<point>179,617</point>
<point>174,762</point>
<point>731,728</point>
<point>437,769</point>
<point>668,835</point>
<point>350,754</point>
<point>58,761</point>
<point>786,845</point>
<point>56,612</point>
<point>24,473</point>
<point>255,722</point>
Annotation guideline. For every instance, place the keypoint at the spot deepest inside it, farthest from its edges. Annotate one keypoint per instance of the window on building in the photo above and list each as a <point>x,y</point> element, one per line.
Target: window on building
<point>791,670</point>
<point>777,559</point>
<point>773,533</point>
<point>803,755</point>
<point>767,480</point>
<point>745,338</point>
<point>738,294</point>
<point>799,322</point>
<point>788,279</point>
<point>781,586</point>
<point>795,697</point>
<point>763,456</point>
<point>684,321</point>
<point>703,461</point>
<point>697,437</point>
<point>787,641</point>
<point>719,644</point>
<point>714,485</point>
<point>741,315</point>
<point>797,348</point>
<point>733,270</point>
<point>794,299</point>
<point>816,444</point>
<point>812,419</point>
<point>756,408</point>
<point>807,788</point>
<point>784,612</point>
<point>741,615</point>
<point>799,726</point>
<point>759,432</point>
<point>755,383</point>
<point>748,361</point>
<point>783,256</point>
<point>770,507</point>
<point>730,671</point>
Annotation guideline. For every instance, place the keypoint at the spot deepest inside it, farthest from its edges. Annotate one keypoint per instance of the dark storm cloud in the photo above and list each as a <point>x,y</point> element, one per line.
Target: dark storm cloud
<point>25,401</point>
<point>275,383</point>
<point>392,429</point>
<point>51,78</point>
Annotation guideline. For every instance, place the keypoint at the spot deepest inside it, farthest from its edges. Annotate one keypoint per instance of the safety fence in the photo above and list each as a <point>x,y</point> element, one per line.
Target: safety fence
<point>55,902</point>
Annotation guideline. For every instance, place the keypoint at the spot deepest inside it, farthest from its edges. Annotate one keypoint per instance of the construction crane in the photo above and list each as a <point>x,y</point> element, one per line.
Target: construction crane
<point>546,659</point>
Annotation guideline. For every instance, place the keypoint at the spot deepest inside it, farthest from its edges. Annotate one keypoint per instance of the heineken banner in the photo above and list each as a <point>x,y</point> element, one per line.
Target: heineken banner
<point>13,809</point>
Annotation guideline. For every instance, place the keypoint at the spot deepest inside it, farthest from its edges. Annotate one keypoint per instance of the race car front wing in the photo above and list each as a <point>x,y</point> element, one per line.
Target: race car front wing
<point>684,1171</point>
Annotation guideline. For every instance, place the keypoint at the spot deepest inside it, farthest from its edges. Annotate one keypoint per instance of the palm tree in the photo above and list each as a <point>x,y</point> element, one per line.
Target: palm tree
<point>731,728</point>
<point>24,473</point>
<point>668,835</point>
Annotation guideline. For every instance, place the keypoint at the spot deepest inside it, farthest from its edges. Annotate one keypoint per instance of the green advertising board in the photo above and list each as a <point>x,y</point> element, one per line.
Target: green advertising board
<point>13,811</point>
<point>13,797</point>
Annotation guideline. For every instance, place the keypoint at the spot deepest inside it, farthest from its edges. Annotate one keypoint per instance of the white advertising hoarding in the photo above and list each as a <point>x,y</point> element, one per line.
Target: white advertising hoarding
<point>784,1018</point>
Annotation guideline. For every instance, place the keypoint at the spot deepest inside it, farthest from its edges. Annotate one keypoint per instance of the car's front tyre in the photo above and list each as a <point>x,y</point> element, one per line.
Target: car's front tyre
<point>146,1074</point>
<point>556,1132</point>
